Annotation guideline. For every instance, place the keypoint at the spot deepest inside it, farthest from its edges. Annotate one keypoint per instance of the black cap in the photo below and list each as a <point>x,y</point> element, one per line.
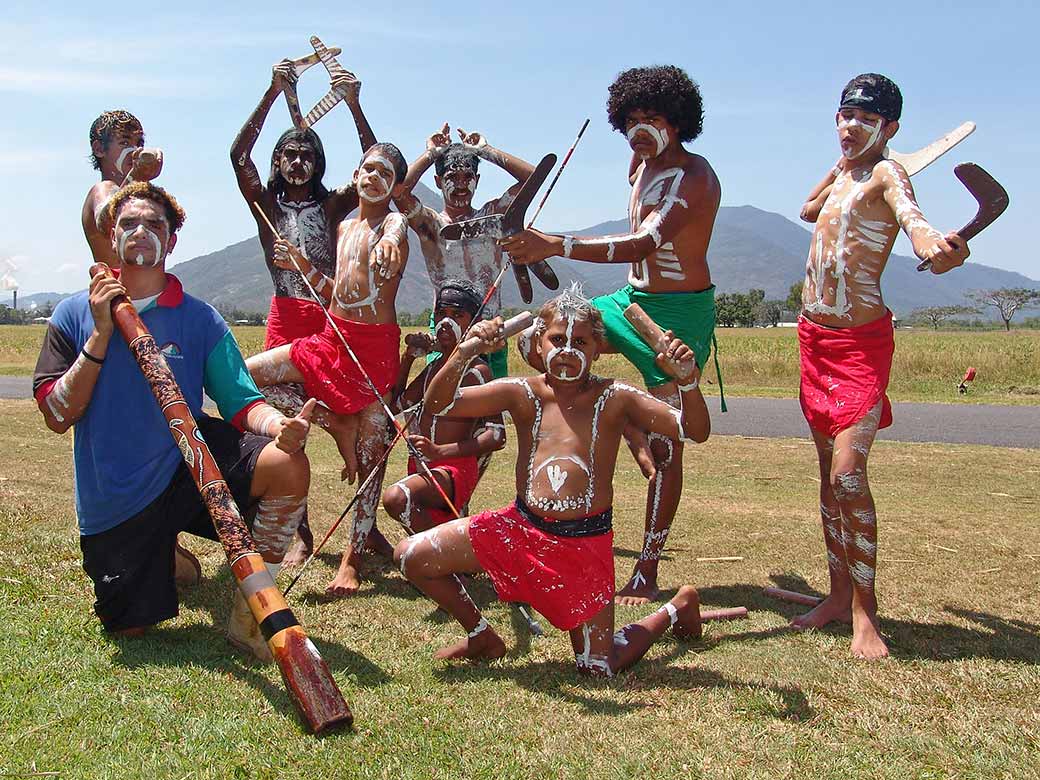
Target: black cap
<point>460,294</point>
<point>875,93</point>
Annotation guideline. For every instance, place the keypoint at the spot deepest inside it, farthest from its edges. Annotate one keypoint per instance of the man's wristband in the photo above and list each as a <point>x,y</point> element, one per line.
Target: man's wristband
<point>90,357</point>
<point>692,386</point>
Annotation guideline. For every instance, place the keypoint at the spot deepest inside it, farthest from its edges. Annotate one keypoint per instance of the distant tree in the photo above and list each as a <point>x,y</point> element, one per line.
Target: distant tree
<point>737,309</point>
<point>794,297</point>
<point>768,313</point>
<point>1007,301</point>
<point>936,315</point>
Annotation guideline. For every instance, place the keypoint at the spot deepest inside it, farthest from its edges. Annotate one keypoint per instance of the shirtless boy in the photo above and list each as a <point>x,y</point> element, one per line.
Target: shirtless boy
<point>479,258</point>
<point>452,445</point>
<point>302,210</point>
<point>552,548</point>
<point>845,333</point>
<point>371,252</point>
<point>675,197</point>
<point>116,146</point>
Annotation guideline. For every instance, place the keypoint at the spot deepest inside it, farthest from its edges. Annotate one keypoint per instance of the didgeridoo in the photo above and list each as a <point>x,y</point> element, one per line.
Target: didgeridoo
<point>510,327</point>
<point>652,333</point>
<point>793,596</point>
<point>730,613</point>
<point>307,677</point>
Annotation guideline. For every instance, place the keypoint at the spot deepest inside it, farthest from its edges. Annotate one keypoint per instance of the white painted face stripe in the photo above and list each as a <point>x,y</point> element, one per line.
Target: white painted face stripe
<point>660,136</point>
<point>121,159</point>
<point>452,325</point>
<point>139,260</point>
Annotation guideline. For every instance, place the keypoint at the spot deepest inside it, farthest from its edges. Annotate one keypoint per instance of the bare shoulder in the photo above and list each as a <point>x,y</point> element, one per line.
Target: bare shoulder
<point>889,172</point>
<point>340,202</point>
<point>699,177</point>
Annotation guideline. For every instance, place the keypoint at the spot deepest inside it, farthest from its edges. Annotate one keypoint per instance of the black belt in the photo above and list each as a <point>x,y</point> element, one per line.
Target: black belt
<point>582,526</point>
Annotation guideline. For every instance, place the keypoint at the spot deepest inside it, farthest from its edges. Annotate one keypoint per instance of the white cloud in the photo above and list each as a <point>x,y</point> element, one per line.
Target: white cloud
<point>68,268</point>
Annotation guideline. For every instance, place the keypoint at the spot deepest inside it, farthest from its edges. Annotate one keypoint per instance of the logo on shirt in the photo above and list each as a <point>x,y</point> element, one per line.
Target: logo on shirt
<point>171,350</point>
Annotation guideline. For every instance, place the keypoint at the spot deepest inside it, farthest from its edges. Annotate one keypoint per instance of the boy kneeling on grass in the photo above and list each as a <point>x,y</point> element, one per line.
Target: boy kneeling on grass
<point>553,547</point>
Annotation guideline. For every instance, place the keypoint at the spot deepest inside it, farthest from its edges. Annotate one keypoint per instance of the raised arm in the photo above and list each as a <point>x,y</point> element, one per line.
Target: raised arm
<point>444,394</point>
<point>660,226</point>
<point>514,166</point>
<point>351,85</point>
<point>944,252</point>
<point>691,421</point>
<point>405,394</point>
<point>249,183</point>
<point>491,437</point>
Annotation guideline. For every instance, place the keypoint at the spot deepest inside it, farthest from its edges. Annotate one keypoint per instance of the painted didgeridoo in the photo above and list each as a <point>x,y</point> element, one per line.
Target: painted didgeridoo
<point>650,331</point>
<point>729,613</point>
<point>307,678</point>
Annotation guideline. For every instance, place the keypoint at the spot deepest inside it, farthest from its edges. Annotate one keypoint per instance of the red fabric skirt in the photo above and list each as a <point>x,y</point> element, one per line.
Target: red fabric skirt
<point>289,319</point>
<point>845,373</point>
<point>569,580</point>
<point>464,473</point>
<point>330,374</point>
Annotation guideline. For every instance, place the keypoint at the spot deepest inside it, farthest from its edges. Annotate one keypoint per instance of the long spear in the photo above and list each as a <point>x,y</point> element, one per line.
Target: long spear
<point>307,677</point>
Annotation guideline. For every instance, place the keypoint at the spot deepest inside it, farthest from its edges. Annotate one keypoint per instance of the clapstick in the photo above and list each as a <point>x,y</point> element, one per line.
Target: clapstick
<point>731,613</point>
<point>510,327</point>
<point>653,335</point>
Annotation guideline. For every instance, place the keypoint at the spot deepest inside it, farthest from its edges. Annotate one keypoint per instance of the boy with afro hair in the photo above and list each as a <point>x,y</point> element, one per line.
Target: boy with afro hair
<point>675,197</point>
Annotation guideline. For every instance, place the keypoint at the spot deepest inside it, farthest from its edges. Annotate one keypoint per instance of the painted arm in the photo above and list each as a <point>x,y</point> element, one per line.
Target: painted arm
<point>814,203</point>
<point>944,252</point>
<point>691,421</point>
<point>351,85</point>
<point>249,183</point>
<point>64,400</point>
<point>490,438</point>
<point>405,395</point>
<point>660,226</point>
<point>445,395</point>
<point>519,169</point>
<point>290,258</point>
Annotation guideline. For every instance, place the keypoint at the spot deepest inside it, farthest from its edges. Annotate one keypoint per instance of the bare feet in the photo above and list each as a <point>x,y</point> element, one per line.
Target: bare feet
<point>344,431</point>
<point>642,588</point>
<point>243,632</point>
<point>687,613</point>
<point>487,646</point>
<point>378,544</point>
<point>348,577</point>
<point>867,642</point>
<point>187,571</point>
<point>834,607</point>
<point>299,553</point>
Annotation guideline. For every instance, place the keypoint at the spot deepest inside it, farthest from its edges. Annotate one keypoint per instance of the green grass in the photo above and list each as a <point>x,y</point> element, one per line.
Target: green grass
<point>957,581</point>
<point>764,362</point>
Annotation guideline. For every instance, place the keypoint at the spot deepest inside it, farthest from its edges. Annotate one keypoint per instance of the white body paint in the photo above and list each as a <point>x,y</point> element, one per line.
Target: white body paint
<point>157,253</point>
<point>873,129</point>
<point>567,349</point>
<point>660,136</point>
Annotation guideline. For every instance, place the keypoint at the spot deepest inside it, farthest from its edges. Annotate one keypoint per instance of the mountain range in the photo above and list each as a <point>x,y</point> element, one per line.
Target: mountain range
<point>749,248</point>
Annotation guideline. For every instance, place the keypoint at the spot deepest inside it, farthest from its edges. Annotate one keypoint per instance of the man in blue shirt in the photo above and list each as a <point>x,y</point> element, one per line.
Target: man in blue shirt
<point>133,491</point>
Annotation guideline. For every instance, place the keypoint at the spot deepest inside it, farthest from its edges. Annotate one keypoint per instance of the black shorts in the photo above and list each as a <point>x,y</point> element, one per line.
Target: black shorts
<point>132,564</point>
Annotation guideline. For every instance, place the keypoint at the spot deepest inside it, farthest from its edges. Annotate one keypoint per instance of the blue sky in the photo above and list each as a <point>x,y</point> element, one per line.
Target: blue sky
<point>770,74</point>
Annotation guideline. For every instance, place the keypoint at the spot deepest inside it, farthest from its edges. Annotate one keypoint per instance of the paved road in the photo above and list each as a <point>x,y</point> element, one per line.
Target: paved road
<point>1003,426</point>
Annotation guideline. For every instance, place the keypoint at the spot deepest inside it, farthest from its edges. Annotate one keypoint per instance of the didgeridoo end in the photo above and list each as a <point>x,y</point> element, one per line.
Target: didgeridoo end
<point>793,596</point>
<point>730,613</point>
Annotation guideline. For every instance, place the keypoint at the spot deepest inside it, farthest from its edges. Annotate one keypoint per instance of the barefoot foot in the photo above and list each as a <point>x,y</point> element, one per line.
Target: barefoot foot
<point>867,642</point>
<point>486,646</point>
<point>827,611</point>
<point>347,579</point>
<point>641,589</point>
<point>297,556</point>
<point>378,544</point>
<point>687,613</point>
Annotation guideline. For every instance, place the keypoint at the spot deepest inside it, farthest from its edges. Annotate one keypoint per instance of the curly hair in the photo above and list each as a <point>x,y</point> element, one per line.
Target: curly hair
<point>662,89</point>
<point>145,190</point>
<point>106,126</point>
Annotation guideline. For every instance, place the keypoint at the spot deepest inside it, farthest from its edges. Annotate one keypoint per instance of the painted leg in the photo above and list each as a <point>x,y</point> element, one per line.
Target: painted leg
<point>280,482</point>
<point>409,500</point>
<point>602,652</point>
<point>662,500</point>
<point>851,488</point>
<point>430,561</point>
<point>838,604</point>
<point>371,443</point>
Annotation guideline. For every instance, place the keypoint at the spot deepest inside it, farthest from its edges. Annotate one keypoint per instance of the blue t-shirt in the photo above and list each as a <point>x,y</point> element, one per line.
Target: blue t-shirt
<point>124,454</point>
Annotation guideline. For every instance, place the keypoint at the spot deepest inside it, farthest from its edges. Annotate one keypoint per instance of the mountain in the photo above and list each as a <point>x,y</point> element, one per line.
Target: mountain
<point>39,299</point>
<point>749,248</point>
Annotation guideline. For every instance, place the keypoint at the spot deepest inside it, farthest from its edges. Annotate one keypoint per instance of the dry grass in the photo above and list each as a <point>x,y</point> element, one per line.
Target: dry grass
<point>958,585</point>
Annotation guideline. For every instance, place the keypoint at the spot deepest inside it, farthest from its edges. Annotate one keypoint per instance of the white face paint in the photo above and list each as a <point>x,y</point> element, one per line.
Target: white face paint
<point>295,169</point>
<point>873,130</point>
<point>121,161</point>
<point>451,325</point>
<point>567,349</point>
<point>660,136</point>
<point>138,258</point>
<point>375,186</point>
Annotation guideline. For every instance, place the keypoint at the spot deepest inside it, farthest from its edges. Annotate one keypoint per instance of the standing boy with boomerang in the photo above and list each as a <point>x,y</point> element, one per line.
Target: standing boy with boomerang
<point>552,548</point>
<point>846,339</point>
<point>371,252</point>
<point>453,446</point>
<point>133,492</point>
<point>675,197</point>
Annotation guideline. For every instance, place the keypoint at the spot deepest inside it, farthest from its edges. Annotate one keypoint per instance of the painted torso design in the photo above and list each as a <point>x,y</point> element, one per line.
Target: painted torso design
<point>359,287</point>
<point>477,259</point>
<point>303,224</point>
<point>658,191</point>
<point>850,246</point>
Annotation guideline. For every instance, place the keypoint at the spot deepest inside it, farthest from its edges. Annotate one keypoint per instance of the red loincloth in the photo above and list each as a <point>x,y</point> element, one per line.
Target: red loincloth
<point>289,319</point>
<point>464,473</point>
<point>567,579</point>
<point>331,376</point>
<point>845,373</point>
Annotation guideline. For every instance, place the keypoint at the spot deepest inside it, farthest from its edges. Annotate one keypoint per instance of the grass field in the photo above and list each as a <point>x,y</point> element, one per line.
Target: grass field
<point>764,362</point>
<point>958,574</point>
